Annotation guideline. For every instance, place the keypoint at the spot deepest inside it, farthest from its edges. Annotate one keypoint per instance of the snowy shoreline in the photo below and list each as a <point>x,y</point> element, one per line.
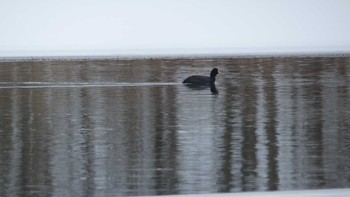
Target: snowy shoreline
<point>166,56</point>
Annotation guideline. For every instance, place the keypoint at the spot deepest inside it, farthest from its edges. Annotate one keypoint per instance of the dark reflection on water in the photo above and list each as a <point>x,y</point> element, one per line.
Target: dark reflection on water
<point>96,128</point>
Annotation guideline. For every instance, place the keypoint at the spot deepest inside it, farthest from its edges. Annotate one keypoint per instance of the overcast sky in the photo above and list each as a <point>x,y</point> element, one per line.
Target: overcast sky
<point>173,24</point>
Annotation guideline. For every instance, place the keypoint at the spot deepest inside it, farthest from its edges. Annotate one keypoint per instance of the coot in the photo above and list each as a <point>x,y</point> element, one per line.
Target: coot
<point>199,79</point>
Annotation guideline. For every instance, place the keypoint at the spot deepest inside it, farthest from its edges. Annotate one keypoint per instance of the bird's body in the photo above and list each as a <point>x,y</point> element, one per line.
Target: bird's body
<point>199,79</point>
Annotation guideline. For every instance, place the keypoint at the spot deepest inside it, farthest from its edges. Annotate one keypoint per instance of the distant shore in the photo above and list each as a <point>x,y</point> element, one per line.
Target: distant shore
<point>166,56</point>
<point>188,53</point>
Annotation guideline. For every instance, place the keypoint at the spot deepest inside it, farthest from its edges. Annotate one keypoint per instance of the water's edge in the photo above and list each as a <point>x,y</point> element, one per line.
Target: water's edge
<point>168,56</point>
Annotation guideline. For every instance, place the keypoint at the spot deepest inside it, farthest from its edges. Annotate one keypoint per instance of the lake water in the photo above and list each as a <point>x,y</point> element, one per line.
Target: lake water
<point>130,127</point>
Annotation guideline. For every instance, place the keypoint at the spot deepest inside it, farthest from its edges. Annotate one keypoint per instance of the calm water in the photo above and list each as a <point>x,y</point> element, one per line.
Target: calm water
<point>106,128</point>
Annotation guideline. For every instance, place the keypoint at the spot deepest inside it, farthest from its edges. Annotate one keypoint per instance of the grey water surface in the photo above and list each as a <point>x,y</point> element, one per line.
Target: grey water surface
<point>130,127</point>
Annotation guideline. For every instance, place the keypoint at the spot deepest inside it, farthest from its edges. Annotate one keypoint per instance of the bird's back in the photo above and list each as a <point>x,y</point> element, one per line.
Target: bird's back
<point>197,79</point>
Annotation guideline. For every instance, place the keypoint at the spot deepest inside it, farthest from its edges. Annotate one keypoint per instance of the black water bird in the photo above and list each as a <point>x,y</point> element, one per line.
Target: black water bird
<point>201,80</point>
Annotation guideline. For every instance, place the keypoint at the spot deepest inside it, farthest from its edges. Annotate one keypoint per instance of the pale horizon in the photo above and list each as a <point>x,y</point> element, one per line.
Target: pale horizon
<point>177,27</point>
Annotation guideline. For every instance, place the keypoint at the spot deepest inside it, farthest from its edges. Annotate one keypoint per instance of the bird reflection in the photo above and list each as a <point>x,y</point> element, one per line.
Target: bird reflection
<point>212,87</point>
